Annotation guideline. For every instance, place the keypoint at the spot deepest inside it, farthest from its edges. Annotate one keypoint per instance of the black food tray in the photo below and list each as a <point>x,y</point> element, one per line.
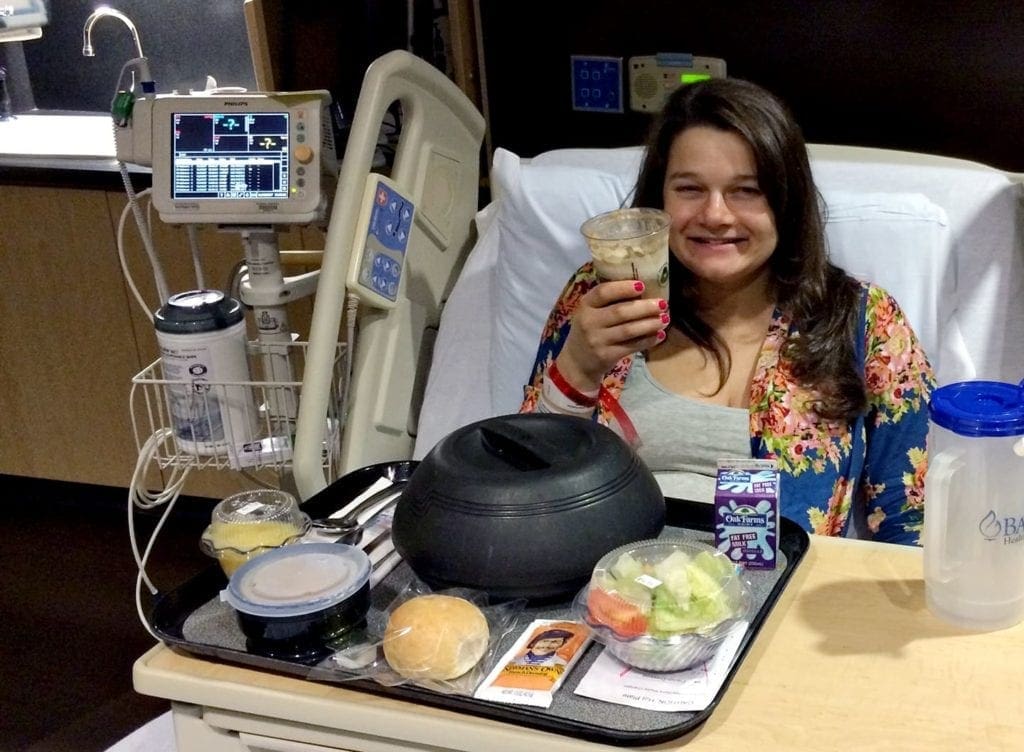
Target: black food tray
<point>570,714</point>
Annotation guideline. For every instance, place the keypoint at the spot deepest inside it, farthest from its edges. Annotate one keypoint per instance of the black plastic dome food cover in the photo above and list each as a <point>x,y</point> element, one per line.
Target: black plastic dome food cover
<point>523,506</point>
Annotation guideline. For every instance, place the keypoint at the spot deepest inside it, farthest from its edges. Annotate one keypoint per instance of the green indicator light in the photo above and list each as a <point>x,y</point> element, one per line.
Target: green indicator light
<point>692,78</point>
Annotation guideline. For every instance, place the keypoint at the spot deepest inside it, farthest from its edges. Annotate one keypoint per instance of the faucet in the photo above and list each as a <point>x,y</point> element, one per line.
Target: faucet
<point>139,64</point>
<point>95,16</point>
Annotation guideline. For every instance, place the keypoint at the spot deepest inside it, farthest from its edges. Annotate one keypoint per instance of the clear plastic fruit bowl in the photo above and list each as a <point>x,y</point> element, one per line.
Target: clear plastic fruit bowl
<point>251,523</point>
<point>663,605</point>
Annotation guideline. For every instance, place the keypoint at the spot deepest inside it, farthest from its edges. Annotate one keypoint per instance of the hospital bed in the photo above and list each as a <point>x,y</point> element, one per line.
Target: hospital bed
<point>436,166</point>
<point>944,236</point>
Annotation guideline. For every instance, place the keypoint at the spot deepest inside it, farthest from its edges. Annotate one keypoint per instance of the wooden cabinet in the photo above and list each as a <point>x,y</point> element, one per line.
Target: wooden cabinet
<point>68,349</point>
<point>72,335</point>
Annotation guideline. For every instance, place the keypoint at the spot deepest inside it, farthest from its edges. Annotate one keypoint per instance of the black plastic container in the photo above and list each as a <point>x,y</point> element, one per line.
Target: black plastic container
<point>292,602</point>
<point>523,506</point>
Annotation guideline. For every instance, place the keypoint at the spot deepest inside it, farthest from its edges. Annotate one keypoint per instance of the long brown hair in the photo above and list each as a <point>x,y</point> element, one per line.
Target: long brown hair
<point>821,298</point>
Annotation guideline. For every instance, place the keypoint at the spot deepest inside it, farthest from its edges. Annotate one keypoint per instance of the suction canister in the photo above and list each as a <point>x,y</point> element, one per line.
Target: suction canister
<point>202,341</point>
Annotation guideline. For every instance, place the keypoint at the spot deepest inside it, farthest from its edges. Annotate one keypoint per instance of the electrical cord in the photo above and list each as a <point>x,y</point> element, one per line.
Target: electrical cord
<point>124,261</point>
<point>142,611</point>
<point>139,496</point>
<point>162,289</point>
<point>193,244</point>
<point>193,238</point>
<point>351,310</point>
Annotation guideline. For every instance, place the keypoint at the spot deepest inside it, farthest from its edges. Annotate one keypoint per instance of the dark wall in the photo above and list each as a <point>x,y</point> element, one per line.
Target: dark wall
<point>940,77</point>
<point>330,44</point>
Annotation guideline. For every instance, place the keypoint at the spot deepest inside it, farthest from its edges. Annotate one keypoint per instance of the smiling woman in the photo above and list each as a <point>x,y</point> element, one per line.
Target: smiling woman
<point>723,228</point>
<point>764,349</point>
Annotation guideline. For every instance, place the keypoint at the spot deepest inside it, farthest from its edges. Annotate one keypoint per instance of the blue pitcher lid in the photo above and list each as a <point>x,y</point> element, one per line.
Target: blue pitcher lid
<point>979,408</point>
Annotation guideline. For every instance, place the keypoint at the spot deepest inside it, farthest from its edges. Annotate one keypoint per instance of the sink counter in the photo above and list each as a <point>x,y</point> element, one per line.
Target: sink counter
<point>65,149</point>
<point>57,140</point>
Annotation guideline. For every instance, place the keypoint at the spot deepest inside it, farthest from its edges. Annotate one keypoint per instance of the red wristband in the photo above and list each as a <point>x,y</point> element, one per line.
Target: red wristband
<point>568,389</point>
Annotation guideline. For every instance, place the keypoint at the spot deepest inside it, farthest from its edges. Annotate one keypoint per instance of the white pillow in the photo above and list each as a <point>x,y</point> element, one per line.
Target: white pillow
<point>542,206</point>
<point>544,201</point>
<point>902,241</point>
<point>624,161</point>
<point>984,208</point>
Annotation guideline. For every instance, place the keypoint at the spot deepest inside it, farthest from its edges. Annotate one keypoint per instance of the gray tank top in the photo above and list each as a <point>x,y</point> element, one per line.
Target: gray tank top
<point>682,439</point>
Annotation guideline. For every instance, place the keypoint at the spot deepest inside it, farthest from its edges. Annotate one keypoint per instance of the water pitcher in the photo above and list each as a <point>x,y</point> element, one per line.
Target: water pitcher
<point>974,505</point>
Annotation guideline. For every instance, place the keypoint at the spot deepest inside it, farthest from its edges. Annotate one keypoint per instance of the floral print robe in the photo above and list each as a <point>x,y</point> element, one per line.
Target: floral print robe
<point>869,472</point>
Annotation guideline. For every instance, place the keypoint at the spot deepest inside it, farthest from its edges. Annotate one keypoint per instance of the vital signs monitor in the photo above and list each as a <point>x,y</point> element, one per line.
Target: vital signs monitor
<point>235,159</point>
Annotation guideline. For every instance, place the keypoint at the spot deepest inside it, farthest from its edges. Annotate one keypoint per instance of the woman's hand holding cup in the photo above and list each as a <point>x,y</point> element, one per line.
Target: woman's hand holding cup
<point>628,311</point>
<point>613,320</point>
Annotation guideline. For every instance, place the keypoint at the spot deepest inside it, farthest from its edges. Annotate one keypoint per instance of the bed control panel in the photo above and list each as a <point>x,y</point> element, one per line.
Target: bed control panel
<point>382,238</point>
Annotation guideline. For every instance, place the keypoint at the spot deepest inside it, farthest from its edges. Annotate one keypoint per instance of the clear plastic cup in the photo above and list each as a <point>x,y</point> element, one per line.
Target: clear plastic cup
<point>631,244</point>
<point>249,523</point>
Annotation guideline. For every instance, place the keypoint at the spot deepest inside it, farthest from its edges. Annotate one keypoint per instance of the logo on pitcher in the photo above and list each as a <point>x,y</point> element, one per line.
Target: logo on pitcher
<point>990,526</point>
<point>1010,529</point>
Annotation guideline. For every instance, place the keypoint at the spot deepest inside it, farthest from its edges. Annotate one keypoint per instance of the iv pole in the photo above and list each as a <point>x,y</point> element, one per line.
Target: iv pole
<point>265,289</point>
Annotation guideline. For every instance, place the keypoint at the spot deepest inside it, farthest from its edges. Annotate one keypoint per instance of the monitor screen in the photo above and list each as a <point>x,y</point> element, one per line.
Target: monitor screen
<point>217,155</point>
<point>235,158</point>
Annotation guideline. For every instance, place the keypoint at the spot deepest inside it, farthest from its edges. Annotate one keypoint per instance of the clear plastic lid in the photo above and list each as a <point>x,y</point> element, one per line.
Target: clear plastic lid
<point>254,519</point>
<point>661,588</point>
<point>298,580</point>
<point>625,224</point>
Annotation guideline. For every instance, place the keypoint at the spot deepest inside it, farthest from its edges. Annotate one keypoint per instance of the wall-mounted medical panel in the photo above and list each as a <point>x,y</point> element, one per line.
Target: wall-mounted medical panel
<point>596,84</point>
<point>653,78</point>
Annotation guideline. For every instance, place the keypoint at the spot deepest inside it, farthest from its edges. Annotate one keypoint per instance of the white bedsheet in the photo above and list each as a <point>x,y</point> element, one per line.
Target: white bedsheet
<point>155,736</point>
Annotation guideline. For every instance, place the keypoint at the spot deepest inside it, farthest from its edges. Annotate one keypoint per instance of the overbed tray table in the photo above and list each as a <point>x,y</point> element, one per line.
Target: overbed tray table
<point>848,659</point>
<point>193,619</point>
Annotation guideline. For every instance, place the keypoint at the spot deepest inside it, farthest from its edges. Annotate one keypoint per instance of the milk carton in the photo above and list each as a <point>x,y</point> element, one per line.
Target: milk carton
<point>747,512</point>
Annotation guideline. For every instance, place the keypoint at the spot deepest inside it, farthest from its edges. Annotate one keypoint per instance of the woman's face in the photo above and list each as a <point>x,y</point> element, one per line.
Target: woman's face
<point>723,229</point>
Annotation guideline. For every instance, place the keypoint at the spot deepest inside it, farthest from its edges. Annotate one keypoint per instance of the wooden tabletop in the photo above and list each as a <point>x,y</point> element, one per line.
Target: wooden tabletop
<point>849,659</point>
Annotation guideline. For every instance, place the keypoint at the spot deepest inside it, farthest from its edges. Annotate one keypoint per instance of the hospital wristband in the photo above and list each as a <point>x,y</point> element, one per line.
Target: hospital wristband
<point>551,400</point>
<point>559,393</point>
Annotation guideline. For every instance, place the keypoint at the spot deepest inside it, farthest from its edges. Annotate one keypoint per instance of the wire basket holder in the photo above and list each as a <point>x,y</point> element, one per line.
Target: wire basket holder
<point>234,424</point>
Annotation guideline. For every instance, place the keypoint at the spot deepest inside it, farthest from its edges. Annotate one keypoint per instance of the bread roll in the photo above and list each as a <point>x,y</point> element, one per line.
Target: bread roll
<point>435,637</point>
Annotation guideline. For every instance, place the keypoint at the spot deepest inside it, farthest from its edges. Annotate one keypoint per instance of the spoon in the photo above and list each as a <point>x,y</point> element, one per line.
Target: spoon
<point>348,528</point>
